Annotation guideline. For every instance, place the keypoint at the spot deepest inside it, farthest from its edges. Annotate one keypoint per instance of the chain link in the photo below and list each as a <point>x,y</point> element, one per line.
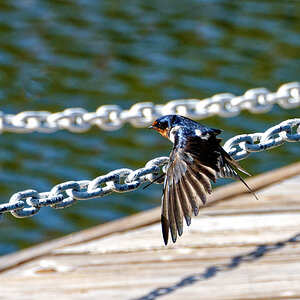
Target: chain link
<point>28,203</point>
<point>112,117</point>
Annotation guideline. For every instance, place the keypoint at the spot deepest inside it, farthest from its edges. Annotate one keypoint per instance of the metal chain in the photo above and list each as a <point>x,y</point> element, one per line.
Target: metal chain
<point>241,146</point>
<point>112,117</point>
<point>28,203</point>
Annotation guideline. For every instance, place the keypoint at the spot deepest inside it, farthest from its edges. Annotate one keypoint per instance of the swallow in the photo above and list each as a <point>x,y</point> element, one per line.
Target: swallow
<point>197,158</point>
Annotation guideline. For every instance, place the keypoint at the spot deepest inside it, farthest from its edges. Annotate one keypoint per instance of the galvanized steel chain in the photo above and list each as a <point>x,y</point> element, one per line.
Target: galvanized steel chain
<point>112,117</point>
<point>241,146</point>
<point>28,203</point>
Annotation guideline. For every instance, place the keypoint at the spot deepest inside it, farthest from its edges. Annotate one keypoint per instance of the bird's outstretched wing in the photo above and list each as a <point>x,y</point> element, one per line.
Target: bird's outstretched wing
<point>193,163</point>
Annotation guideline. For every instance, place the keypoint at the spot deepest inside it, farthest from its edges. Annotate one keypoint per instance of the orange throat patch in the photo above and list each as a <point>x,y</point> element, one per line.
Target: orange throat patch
<point>163,132</point>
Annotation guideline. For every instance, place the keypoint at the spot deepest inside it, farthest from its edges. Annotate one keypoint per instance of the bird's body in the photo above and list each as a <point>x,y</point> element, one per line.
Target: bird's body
<point>196,158</point>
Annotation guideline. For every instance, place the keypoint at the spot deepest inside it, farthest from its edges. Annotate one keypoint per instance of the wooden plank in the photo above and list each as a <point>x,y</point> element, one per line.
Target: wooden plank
<point>205,231</point>
<point>142,219</point>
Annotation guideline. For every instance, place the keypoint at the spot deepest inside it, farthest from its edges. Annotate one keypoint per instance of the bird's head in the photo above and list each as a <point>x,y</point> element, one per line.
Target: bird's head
<point>164,124</point>
<point>161,125</point>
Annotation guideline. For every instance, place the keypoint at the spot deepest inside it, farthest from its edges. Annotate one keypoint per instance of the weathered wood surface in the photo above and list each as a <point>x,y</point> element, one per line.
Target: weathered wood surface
<point>236,249</point>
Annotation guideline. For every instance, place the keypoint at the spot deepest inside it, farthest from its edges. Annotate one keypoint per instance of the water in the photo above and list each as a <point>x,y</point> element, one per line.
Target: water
<point>60,54</point>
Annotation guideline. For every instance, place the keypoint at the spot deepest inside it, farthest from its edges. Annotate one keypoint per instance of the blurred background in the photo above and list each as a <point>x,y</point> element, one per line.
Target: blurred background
<point>85,53</point>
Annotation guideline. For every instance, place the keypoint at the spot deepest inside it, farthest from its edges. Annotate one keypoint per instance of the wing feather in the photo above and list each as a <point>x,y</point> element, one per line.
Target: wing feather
<point>178,213</point>
<point>164,213</point>
<point>191,194</point>
<point>203,179</point>
<point>207,171</point>
<point>185,203</point>
<point>171,215</point>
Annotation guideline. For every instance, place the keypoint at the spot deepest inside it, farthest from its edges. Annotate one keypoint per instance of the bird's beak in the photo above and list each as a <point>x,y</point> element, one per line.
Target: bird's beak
<point>151,127</point>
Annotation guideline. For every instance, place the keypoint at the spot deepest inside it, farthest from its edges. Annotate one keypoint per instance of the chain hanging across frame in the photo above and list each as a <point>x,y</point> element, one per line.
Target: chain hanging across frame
<point>112,117</point>
<point>27,203</point>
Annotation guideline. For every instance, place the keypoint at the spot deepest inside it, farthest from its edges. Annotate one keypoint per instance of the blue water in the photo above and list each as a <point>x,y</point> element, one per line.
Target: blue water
<point>60,54</point>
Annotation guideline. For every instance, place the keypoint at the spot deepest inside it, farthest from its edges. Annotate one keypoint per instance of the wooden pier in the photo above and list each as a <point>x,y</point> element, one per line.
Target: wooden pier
<point>237,248</point>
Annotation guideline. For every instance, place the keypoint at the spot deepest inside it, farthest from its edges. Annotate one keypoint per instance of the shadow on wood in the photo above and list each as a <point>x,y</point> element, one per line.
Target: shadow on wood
<point>212,271</point>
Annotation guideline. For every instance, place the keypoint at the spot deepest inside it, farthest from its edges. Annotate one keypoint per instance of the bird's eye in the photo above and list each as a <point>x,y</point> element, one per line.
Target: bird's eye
<point>161,125</point>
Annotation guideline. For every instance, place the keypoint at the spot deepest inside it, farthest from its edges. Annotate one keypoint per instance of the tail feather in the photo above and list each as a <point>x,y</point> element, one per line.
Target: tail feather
<point>247,186</point>
<point>227,165</point>
<point>232,162</point>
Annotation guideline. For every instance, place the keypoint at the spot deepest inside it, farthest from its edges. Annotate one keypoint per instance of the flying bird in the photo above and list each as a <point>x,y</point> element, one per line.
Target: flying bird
<point>196,158</point>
